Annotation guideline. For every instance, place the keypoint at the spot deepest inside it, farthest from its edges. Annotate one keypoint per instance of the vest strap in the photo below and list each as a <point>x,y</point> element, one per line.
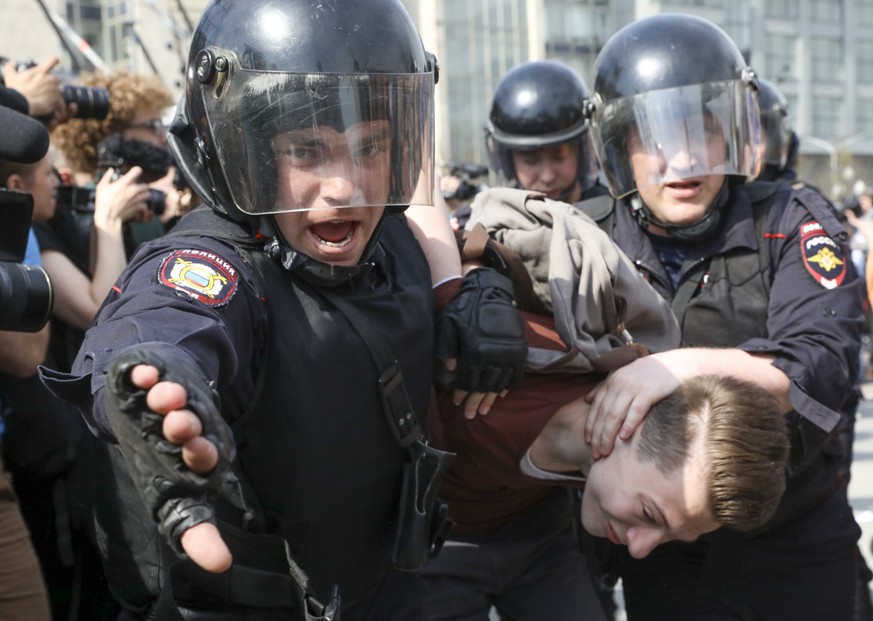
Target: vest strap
<point>263,577</point>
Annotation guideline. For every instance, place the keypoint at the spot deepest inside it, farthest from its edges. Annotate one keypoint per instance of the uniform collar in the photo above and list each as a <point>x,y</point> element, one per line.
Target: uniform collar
<point>736,230</point>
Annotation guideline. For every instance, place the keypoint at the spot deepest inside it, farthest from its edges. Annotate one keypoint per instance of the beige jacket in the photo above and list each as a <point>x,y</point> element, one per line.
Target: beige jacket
<point>602,306</point>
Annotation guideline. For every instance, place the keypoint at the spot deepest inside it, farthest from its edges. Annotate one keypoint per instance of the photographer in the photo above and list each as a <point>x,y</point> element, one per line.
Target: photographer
<point>45,444</point>
<point>136,104</point>
<point>41,91</point>
<point>22,591</point>
<point>80,287</point>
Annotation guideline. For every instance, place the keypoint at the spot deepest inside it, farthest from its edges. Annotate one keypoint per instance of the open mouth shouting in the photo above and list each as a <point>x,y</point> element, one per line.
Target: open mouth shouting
<point>338,236</point>
<point>340,240</point>
<point>334,234</point>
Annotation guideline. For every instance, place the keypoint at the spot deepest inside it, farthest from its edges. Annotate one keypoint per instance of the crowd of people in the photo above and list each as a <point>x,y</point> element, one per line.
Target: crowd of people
<point>88,217</point>
<point>279,382</point>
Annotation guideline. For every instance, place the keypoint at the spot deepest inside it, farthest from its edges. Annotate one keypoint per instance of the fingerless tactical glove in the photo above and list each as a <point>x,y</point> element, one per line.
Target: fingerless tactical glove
<point>484,330</point>
<point>177,497</point>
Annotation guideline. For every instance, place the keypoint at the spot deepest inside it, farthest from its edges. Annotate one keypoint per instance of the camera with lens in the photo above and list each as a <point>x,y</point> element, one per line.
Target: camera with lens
<point>121,155</point>
<point>91,102</point>
<point>25,290</point>
<point>466,174</point>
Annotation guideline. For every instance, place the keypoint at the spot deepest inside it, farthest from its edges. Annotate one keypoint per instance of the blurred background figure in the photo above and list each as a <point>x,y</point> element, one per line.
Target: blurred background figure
<point>777,137</point>
<point>136,107</point>
<point>537,135</point>
<point>44,442</point>
<point>46,447</point>
<point>23,594</point>
<point>459,185</point>
<point>133,133</point>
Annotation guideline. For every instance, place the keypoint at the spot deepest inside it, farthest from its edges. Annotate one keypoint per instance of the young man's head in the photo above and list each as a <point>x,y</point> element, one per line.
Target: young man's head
<point>537,134</point>
<point>673,115</point>
<point>712,454</point>
<point>310,124</point>
<point>39,180</point>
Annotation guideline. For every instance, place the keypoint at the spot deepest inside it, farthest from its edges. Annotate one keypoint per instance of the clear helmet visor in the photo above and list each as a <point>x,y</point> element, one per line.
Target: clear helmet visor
<point>678,133</point>
<point>299,141</point>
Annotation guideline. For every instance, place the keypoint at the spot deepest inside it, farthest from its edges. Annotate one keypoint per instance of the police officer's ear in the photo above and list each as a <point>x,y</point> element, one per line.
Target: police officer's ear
<point>15,182</point>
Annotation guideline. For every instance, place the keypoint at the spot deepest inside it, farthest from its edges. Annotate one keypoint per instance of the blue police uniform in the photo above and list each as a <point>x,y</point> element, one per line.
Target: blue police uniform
<point>321,467</point>
<point>773,279</point>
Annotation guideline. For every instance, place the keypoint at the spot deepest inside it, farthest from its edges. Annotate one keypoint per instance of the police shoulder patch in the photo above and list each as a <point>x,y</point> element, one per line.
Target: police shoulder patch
<point>822,256</point>
<point>199,275</point>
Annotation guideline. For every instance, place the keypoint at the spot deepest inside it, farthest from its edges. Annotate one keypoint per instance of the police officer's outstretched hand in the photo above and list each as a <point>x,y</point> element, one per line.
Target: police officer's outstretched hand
<point>480,338</point>
<point>173,459</point>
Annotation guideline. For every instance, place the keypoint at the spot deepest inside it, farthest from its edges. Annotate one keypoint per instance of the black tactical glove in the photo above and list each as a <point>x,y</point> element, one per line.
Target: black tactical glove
<point>481,327</point>
<point>176,496</point>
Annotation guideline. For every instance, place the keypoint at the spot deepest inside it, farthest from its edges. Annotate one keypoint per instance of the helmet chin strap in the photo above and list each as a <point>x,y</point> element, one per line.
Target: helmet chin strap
<point>684,232</point>
<point>316,272</point>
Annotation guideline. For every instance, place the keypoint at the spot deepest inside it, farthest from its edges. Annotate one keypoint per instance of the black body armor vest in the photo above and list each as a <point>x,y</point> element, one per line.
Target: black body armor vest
<point>314,446</point>
<point>731,291</point>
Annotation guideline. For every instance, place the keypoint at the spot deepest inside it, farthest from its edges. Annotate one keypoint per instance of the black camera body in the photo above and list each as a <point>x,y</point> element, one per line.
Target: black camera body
<point>91,102</point>
<point>121,155</point>
<point>467,175</point>
<point>25,290</point>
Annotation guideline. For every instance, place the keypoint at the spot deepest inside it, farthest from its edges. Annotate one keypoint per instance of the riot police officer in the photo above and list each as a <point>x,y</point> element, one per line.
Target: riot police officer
<point>758,278</point>
<point>262,370</point>
<point>537,135</point>
<point>778,138</point>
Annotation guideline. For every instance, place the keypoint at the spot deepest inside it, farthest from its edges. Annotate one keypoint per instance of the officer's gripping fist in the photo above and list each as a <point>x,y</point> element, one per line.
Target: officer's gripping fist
<point>483,330</point>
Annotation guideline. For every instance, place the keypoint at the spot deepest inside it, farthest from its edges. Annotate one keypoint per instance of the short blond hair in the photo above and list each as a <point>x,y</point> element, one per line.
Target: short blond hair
<point>745,439</point>
<point>77,139</point>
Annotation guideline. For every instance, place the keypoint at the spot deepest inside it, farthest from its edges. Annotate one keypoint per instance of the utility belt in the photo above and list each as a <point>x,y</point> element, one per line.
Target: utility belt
<point>264,582</point>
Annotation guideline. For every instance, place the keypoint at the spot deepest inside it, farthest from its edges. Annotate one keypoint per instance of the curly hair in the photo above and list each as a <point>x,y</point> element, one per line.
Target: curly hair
<point>77,139</point>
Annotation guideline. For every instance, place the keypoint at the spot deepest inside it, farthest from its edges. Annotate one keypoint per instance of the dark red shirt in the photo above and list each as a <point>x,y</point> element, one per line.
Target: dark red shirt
<point>485,485</point>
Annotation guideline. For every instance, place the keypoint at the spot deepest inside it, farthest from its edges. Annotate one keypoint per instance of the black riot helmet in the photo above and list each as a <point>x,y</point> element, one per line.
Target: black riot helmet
<point>775,126</point>
<point>271,79</point>
<point>537,105</point>
<point>667,84</point>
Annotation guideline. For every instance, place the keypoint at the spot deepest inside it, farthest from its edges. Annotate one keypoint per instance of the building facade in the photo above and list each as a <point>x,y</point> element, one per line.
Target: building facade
<point>144,36</point>
<point>819,52</point>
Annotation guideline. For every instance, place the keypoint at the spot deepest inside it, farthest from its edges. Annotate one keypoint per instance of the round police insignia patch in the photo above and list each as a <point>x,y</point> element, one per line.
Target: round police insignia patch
<point>200,275</point>
<point>822,256</point>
